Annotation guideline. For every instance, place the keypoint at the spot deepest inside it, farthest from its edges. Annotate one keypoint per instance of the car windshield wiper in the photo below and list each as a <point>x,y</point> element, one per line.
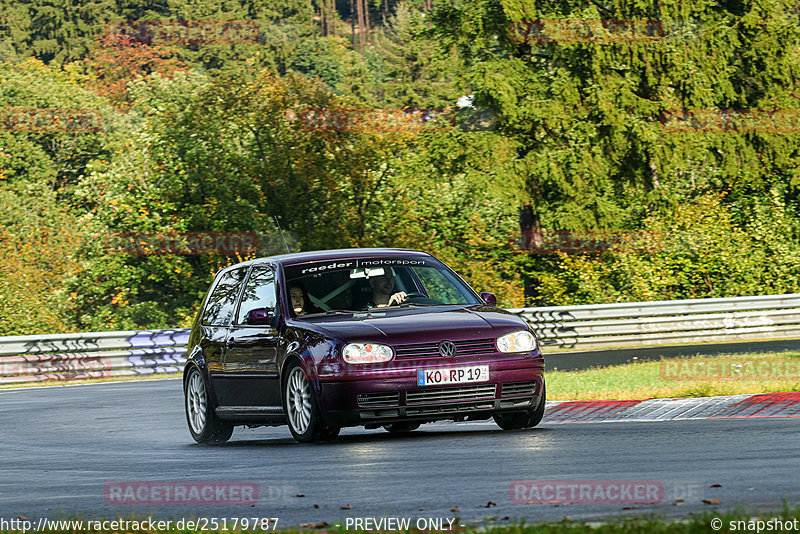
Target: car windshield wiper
<point>328,312</point>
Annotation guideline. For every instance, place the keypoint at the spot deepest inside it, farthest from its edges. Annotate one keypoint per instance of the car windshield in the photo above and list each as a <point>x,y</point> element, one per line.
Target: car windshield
<point>360,284</point>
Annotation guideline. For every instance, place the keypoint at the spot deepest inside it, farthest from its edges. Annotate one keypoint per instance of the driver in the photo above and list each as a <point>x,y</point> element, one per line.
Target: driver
<point>382,290</point>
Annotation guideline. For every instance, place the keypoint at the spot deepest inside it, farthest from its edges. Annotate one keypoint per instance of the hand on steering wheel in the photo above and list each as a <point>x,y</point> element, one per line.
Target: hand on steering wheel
<point>397,298</point>
<point>402,296</point>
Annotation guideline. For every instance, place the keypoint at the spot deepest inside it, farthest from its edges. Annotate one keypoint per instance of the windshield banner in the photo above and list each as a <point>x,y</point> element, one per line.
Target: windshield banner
<point>317,267</point>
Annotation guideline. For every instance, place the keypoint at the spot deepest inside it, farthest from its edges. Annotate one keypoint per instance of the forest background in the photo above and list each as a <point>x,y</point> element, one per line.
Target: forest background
<point>658,143</point>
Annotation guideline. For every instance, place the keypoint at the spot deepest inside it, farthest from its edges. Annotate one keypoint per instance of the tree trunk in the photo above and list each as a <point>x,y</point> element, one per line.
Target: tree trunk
<point>332,11</point>
<point>361,24</point>
<point>352,23</point>
<point>429,7</point>
<point>366,19</point>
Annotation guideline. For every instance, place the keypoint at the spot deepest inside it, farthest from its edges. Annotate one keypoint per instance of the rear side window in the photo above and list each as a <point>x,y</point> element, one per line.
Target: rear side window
<point>259,292</point>
<point>221,302</point>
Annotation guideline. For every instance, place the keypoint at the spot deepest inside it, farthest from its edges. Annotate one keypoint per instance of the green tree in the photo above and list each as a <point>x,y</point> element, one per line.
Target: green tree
<point>38,239</point>
<point>53,129</point>
<point>411,69</point>
<point>52,126</point>
<point>584,114</point>
<point>453,196</point>
<point>257,157</point>
<point>696,251</point>
<point>583,110</point>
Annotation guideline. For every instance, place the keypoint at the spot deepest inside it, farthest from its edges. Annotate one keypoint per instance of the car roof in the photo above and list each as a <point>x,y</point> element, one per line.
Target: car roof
<point>326,255</point>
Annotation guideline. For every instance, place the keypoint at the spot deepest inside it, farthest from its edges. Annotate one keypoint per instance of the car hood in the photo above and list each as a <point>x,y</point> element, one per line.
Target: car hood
<point>419,325</point>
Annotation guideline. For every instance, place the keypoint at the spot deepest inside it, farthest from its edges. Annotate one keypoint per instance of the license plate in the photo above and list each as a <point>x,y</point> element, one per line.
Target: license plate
<point>452,375</point>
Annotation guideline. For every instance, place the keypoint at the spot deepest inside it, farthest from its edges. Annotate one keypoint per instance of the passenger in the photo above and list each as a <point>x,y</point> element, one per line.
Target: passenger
<point>298,297</point>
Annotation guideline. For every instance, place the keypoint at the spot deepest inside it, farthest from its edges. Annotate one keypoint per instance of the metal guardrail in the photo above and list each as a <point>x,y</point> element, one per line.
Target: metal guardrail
<point>91,355</point>
<point>669,322</point>
<point>587,327</point>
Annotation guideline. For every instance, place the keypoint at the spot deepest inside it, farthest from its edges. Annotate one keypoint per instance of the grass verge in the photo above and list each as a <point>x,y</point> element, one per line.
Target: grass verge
<point>693,376</point>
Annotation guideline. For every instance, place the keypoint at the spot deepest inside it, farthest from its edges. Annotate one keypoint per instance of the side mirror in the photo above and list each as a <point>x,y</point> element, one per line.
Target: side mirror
<point>258,316</point>
<point>489,298</point>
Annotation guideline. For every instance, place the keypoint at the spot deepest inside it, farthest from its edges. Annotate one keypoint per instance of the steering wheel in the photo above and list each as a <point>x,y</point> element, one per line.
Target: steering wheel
<point>408,296</point>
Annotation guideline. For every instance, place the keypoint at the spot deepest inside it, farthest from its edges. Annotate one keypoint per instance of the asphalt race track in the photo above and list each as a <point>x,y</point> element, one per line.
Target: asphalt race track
<point>63,445</point>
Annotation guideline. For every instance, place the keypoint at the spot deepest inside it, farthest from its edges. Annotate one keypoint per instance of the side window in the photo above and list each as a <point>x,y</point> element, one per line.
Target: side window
<point>258,293</point>
<point>221,302</point>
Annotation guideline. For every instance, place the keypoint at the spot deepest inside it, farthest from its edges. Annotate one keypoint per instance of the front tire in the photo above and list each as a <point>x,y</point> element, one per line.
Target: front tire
<point>300,404</point>
<point>204,425</point>
<point>518,420</point>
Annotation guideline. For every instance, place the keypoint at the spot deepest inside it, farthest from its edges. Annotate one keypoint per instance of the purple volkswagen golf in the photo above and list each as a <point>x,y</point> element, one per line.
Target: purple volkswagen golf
<point>386,338</point>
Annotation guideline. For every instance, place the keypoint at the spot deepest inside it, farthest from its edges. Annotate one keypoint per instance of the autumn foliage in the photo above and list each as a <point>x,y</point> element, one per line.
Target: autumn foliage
<point>117,59</point>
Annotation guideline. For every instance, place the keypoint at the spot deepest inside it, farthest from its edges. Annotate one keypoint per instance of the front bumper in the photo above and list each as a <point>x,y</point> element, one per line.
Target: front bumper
<point>379,401</point>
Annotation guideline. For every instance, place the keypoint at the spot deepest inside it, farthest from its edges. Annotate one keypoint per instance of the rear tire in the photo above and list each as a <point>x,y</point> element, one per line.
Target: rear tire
<point>518,420</point>
<point>302,411</point>
<point>204,425</point>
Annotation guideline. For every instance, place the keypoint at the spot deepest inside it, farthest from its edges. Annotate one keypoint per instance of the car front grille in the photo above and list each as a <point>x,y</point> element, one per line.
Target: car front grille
<point>517,389</point>
<point>444,409</point>
<point>431,350</point>
<point>451,394</point>
<point>388,398</point>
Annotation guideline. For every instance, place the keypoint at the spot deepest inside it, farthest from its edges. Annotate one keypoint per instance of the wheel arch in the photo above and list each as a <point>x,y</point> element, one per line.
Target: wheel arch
<point>197,360</point>
<point>306,362</point>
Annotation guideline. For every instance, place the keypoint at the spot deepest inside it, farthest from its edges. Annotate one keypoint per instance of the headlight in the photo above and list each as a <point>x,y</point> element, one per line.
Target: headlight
<point>366,353</point>
<point>521,341</point>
